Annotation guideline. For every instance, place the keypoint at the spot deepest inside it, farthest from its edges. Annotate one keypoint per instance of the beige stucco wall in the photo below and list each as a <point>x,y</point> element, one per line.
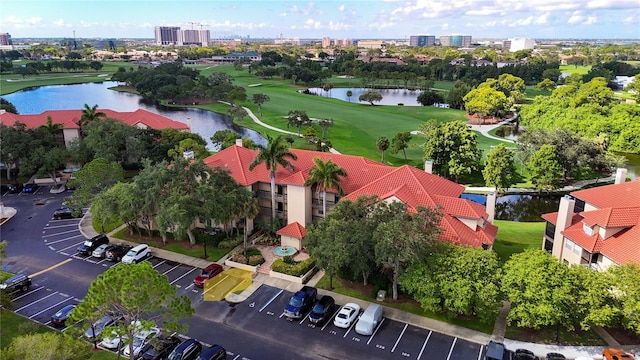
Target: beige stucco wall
<point>471,223</point>
<point>589,207</point>
<point>610,231</point>
<point>69,136</point>
<point>290,241</point>
<point>298,204</point>
<point>569,252</point>
<point>604,262</point>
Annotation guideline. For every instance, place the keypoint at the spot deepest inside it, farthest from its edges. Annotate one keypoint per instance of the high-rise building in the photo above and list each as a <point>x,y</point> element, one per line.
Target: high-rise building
<point>5,39</point>
<point>167,35</point>
<point>455,40</point>
<point>194,37</point>
<point>326,42</point>
<point>343,42</point>
<point>521,44</point>
<point>422,40</point>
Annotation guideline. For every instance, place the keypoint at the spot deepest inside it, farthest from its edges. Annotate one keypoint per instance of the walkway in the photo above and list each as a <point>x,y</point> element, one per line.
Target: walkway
<point>259,122</point>
<point>568,188</point>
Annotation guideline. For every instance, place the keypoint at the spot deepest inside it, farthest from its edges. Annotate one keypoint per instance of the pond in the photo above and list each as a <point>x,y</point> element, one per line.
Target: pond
<point>405,97</point>
<point>72,97</point>
<point>524,208</point>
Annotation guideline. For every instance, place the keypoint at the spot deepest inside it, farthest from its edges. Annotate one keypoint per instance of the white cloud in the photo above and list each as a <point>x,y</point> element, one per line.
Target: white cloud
<point>339,26</point>
<point>59,23</point>
<point>341,8</point>
<point>590,20</point>
<point>576,18</point>
<point>542,19</point>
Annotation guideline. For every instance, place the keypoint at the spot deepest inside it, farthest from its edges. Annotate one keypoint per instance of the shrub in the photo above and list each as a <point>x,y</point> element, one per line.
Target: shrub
<point>239,258</point>
<point>289,260</point>
<point>296,269</point>
<point>256,260</point>
<point>231,242</point>
<point>253,251</point>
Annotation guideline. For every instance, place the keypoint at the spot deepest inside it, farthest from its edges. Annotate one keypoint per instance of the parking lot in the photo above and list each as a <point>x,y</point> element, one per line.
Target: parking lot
<point>263,313</point>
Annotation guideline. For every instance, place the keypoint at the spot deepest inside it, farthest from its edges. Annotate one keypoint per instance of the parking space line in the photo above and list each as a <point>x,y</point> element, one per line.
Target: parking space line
<point>185,274</point>
<point>69,247</point>
<point>170,270</point>
<point>60,225</point>
<point>29,293</point>
<point>51,307</point>
<point>271,300</point>
<point>451,350</point>
<point>59,241</point>
<point>160,263</point>
<point>60,233</point>
<point>352,325</point>
<point>331,318</point>
<point>424,345</point>
<point>237,356</point>
<point>374,333</point>
<point>101,261</point>
<point>305,318</point>
<point>26,306</point>
<point>480,353</point>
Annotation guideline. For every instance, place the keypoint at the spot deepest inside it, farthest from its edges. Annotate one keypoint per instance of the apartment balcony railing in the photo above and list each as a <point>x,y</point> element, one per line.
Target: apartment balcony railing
<point>263,194</point>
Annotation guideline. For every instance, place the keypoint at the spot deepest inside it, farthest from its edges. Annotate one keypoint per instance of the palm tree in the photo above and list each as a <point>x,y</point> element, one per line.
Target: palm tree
<point>326,176</point>
<point>276,153</point>
<point>260,99</point>
<point>89,114</point>
<point>383,145</point>
<point>349,94</point>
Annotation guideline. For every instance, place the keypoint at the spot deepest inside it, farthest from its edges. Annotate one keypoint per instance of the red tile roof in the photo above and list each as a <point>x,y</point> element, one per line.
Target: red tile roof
<point>553,218</point>
<point>626,194</point>
<point>294,230</point>
<point>612,217</point>
<point>367,177</point>
<point>69,119</point>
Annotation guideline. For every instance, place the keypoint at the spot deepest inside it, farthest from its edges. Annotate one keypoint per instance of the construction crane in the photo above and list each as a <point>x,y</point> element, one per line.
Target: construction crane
<point>197,24</point>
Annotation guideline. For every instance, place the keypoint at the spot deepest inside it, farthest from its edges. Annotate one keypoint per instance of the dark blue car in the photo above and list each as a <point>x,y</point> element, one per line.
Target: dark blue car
<point>30,188</point>
<point>59,318</point>
<point>300,302</point>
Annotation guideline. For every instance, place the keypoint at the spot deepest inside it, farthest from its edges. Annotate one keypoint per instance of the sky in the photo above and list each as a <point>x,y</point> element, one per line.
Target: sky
<point>352,19</point>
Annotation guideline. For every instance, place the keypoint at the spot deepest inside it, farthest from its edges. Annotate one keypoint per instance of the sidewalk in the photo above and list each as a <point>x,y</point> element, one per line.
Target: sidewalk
<point>259,279</point>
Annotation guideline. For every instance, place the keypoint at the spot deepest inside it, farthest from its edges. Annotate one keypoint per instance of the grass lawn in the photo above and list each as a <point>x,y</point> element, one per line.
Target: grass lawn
<point>13,82</point>
<point>15,325</point>
<point>548,336</point>
<point>408,305</point>
<point>572,69</point>
<point>515,237</point>
<point>180,247</point>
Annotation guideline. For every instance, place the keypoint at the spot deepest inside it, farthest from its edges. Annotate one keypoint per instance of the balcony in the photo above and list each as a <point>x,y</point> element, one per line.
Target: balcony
<point>263,194</point>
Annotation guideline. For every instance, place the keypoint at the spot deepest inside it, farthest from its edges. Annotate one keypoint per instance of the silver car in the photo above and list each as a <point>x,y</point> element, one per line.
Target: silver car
<point>94,332</point>
<point>99,252</point>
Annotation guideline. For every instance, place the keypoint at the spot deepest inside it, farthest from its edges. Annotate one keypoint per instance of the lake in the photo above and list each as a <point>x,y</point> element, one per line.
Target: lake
<point>389,96</point>
<point>73,97</point>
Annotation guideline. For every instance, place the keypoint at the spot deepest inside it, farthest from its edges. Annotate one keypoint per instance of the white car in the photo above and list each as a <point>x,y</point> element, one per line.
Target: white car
<point>140,339</point>
<point>112,341</point>
<point>99,252</point>
<point>137,254</point>
<point>347,315</point>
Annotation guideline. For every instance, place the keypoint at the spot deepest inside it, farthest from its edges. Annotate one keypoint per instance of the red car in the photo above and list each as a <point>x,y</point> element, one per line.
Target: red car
<point>207,273</point>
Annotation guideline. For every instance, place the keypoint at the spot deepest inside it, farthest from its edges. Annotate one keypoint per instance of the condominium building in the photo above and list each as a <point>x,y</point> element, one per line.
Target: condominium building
<point>422,40</point>
<point>343,42</point>
<point>516,44</point>
<point>166,35</point>
<point>193,37</point>
<point>299,205</point>
<point>597,227</point>
<point>5,39</point>
<point>326,42</point>
<point>455,40</point>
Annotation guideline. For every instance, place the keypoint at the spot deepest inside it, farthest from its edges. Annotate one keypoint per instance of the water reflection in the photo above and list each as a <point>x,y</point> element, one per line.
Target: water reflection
<point>73,97</point>
<point>389,96</point>
<point>525,208</point>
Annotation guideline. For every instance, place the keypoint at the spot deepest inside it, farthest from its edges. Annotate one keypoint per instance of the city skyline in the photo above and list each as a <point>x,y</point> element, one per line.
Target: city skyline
<point>388,19</point>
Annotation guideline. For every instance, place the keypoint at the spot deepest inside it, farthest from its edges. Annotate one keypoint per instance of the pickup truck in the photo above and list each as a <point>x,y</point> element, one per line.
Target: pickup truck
<point>300,302</point>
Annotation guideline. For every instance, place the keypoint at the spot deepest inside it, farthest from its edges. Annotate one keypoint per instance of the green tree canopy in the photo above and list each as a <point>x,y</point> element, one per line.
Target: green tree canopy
<point>370,96</point>
<point>142,295</point>
<point>325,176</point>
<point>383,144</point>
<point>451,146</point>
<point>298,119</point>
<point>545,169</point>
<point>400,142</point>
<point>499,168</point>
<point>93,178</point>
<point>49,346</point>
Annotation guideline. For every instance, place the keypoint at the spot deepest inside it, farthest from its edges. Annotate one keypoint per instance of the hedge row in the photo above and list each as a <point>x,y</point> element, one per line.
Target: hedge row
<point>297,269</point>
<point>231,243</point>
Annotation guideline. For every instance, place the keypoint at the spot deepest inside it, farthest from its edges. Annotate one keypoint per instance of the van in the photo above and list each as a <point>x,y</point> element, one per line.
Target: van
<point>137,254</point>
<point>369,319</point>
<point>495,351</point>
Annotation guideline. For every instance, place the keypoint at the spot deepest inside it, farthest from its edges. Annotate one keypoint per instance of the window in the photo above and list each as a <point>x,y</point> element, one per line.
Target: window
<point>568,244</point>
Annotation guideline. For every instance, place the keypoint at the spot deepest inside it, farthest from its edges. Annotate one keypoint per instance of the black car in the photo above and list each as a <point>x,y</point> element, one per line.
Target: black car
<point>555,356</point>
<point>20,282</point>
<point>216,352</point>
<point>15,188</point>
<point>524,354</point>
<point>63,213</point>
<point>60,317</point>
<point>116,252</point>
<point>187,350</point>
<point>162,348</point>
<point>322,310</point>
<point>91,244</point>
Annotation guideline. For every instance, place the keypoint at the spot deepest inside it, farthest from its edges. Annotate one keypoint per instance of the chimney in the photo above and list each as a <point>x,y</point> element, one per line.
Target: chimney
<point>428,166</point>
<point>621,175</point>
<point>565,213</point>
<point>239,142</point>
<point>189,154</point>
<point>491,206</point>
